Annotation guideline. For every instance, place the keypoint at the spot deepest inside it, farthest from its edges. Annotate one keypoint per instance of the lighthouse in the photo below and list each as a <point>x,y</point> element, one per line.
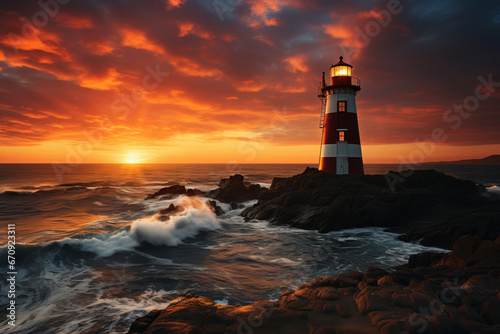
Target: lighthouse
<point>340,151</point>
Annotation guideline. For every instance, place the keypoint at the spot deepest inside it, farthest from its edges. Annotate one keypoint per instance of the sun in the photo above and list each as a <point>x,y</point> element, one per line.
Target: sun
<point>132,158</point>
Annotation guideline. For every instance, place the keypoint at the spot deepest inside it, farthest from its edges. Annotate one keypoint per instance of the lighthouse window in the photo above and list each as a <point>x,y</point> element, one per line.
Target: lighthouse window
<point>341,107</point>
<point>341,135</point>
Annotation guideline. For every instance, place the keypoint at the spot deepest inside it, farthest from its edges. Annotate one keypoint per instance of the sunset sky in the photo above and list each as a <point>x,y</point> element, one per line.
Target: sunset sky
<point>216,81</point>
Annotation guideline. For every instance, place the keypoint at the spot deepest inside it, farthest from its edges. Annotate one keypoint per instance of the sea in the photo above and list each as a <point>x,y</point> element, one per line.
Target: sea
<point>92,255</point>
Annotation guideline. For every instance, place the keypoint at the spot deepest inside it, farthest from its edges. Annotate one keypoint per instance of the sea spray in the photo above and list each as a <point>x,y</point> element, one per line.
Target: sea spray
<point>195,217</point>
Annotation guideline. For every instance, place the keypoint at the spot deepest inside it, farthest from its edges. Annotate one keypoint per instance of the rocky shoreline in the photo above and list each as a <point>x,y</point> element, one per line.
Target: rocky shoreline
<point>434,293</point>
<point>457,292</point>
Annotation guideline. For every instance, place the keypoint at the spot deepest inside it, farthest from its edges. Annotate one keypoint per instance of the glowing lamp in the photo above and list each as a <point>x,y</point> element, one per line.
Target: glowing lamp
<point>341,69</point>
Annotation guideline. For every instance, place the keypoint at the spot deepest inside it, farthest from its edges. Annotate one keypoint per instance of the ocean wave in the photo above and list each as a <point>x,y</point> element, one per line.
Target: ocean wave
<point>195,217</point>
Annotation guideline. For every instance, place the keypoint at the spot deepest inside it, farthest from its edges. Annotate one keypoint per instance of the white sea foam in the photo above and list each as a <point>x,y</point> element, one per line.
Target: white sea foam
<point>104,244</point>
<point>223,301</point>
<point>195,217</point>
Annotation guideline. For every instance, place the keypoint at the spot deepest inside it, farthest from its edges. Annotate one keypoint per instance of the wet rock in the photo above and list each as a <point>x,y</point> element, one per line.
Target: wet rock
<point>235,190</point>
<point>344,281</point>
<point>175,190</point>
<point>328,293</point>
<point>169,192</point>
<point>215,208</point>
<point>427,259</point>
<point>427,205</point>
<point>171,209</point>
<point>194,192</point>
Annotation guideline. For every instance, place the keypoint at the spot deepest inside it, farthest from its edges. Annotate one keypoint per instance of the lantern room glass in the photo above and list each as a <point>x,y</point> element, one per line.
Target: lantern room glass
<point>341,71</point>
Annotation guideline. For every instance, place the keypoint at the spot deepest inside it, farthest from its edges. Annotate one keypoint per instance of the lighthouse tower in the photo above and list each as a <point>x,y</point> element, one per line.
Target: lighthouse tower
<point>340,145</point>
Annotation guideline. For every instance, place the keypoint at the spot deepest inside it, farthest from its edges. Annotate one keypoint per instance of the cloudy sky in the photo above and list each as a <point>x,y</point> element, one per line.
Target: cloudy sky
<point>227,80</point>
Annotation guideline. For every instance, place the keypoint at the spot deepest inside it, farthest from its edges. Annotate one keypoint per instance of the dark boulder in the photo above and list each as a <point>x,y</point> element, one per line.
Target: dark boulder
<point>175,190</point>
<point>171,209</point>
<point>426,206</point>
<point>234,189</point>
<point>215,208</point>
<point>427,259</point>
<point>168,192</point>
<point>194,192</point>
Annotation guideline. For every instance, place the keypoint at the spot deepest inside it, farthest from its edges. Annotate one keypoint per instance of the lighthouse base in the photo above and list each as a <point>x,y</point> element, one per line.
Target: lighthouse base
<point>342,165</point>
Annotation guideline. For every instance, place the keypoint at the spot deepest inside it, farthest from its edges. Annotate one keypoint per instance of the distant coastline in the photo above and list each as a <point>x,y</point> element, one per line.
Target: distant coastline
<point>492,159</point>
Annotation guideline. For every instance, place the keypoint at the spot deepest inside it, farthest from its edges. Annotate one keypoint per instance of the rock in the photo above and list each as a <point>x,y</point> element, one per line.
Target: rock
<point>194,192</point>
<point>423,299</point>
<point>490,311</point>
<point>428,206</point>
<point>175,190</point>
<point>169,192</point>
<point>171,209</point>
<point>374,273</point>
<point>342,309</point>
<point>344,281</point>
<point>328,293</point>
<point>325,330</point>
<point>235,190</point>
<point>427,259</point>
<point>215,208</point>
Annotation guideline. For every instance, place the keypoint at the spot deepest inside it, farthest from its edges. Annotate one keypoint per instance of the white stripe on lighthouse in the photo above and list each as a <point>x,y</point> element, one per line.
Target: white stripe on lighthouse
<point>329,151</point>
<point>344,150</point>
<point>331,104</point>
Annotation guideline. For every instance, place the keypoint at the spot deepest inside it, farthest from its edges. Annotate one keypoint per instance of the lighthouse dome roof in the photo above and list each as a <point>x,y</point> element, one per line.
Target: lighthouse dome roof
<point>341,63</point>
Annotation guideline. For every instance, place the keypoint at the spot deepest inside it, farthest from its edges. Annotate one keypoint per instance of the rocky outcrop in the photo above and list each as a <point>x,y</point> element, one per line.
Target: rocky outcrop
<point>454,293</point>
<point>424,205</point>
<point>234,189</point>
<point>175,190</point>
<point>215,208</point>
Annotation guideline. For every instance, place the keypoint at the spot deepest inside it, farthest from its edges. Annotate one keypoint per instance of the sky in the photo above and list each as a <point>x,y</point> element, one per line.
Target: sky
<point>227,81</point>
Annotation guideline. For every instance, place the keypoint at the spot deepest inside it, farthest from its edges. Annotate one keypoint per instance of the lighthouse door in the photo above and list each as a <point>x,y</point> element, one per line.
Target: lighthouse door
<point>342,157</point>
<point>342,165</point>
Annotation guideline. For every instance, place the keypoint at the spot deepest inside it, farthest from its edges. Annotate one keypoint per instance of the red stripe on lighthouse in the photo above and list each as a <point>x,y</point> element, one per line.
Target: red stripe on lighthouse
<point>356,166</point>
<point>328,165</point>
<point>335,121</point>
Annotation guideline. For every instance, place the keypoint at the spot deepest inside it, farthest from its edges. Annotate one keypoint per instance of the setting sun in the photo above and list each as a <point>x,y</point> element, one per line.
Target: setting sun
<point>132,158</point>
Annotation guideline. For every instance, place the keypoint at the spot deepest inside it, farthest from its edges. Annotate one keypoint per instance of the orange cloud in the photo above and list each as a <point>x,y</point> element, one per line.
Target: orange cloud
<point>250,86</point>
<point>100,48</point>
<point>369,14</point>
<point>191,68</point>
<point>262,9</point>
<point>109,81</point>
<point>174,3</point>
<point>186,28</point>
<point>296,64</point>
<point>340,31</point>
<point>48,42</point>
<point>137,39</point>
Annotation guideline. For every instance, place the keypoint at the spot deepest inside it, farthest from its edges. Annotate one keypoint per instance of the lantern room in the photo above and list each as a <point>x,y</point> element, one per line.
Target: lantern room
<point>341,76</point>
<point>341,69</point>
